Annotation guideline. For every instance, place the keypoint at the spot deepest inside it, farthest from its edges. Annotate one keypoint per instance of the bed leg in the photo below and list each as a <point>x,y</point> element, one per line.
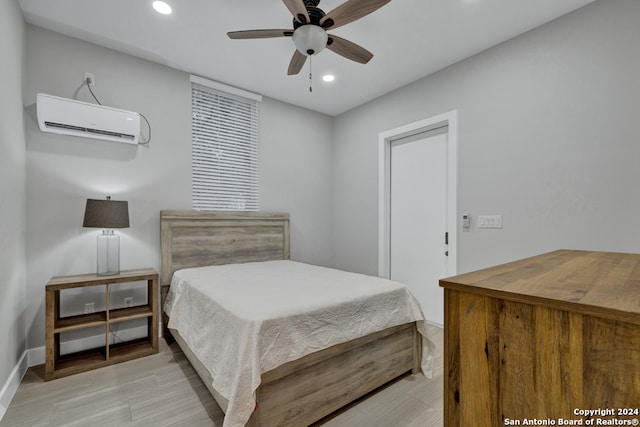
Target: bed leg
<point>417,350</point>
<point>164,290</point>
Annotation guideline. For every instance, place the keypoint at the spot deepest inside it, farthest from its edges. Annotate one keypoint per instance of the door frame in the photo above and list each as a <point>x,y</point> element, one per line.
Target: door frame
<point>385,140</point>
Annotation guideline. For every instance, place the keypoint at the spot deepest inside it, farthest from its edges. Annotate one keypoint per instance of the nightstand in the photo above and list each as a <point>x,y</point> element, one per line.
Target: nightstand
<point>58,365</point>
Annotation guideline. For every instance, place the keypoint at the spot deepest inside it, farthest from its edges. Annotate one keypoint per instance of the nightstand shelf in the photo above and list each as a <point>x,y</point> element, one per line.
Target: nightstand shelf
<point>124,314</point>
<point>60,365</point>
<point>129,350</point>
<point>81,321</point>
<point>79,362</point>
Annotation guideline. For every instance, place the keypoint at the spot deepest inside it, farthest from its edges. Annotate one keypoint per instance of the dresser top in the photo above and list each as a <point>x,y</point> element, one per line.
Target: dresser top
<point>604,284</point>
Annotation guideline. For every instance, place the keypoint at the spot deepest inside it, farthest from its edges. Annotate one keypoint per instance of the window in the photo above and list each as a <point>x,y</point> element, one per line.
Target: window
<point>225,151</point>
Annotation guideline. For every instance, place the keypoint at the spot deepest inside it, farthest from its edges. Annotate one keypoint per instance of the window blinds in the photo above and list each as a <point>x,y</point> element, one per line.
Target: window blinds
<point>225,152</point>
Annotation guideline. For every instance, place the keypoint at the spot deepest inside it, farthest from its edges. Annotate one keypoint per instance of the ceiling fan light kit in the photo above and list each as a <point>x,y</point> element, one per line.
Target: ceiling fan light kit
<point>310,25</point>
<point>310,39</point>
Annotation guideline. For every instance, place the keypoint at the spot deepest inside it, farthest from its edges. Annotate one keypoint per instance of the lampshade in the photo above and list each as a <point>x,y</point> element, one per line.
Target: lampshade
<point>310,39</point>
<point>106,214</point>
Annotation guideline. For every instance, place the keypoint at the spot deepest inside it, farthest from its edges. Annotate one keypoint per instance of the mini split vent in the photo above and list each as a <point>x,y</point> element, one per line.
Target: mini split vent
<point>97,133</point>
<point>71,117</point>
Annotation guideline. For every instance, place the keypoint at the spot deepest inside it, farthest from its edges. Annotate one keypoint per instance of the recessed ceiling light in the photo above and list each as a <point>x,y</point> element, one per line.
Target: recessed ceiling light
<point>162,7</point>
<point>328,77</point>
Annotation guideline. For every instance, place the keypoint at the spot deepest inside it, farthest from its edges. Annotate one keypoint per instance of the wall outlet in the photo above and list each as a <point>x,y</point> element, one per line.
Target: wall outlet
<point>89,308</point>
<point>91,77</point>
<point>128,302</point>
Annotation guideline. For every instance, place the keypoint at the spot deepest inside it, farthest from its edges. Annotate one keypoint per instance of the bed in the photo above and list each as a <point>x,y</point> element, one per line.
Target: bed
<point>275,388</point>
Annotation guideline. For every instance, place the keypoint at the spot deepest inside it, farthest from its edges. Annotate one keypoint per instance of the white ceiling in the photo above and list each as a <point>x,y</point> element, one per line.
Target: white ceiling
<point>409,39</point>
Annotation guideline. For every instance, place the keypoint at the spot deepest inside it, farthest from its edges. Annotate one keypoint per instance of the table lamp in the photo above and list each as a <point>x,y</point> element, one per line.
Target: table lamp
<point>107,214</point>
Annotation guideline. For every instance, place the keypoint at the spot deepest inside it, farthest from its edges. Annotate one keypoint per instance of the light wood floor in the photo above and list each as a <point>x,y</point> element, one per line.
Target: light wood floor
<point>163,390</point>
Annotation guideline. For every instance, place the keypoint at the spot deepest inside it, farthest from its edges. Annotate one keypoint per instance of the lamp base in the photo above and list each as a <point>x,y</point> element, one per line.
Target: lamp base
<point>108,253</point>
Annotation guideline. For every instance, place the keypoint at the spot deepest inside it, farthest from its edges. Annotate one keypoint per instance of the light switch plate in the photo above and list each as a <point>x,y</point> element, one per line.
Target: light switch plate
<point>489,221</point>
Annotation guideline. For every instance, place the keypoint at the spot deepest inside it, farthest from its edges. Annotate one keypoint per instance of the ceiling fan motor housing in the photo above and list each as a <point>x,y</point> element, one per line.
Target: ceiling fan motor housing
<point>315,15</point>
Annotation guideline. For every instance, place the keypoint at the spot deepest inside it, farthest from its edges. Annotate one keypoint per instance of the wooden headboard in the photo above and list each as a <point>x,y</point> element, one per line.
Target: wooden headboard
<point>196,239</point>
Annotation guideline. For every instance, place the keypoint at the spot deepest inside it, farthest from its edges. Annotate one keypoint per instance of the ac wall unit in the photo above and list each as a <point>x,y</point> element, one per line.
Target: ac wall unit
<point>71,117</point>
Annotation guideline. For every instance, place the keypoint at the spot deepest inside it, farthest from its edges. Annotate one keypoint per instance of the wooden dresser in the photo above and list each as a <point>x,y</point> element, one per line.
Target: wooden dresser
<point>545,338</point>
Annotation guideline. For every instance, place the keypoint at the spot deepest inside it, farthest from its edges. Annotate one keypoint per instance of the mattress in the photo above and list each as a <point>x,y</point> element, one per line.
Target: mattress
<point>241,320</point>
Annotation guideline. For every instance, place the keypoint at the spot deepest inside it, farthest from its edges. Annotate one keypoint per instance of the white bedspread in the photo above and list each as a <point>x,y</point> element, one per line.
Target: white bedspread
<point>241,320</point>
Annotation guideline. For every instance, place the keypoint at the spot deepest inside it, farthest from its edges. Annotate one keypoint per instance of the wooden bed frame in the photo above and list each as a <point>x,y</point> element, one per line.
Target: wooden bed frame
<point>305,390</point>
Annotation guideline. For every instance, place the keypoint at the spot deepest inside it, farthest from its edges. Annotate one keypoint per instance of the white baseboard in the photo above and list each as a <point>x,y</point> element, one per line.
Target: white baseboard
<point>11,386</point>
<point>36,356</point>
<point>439,325</point>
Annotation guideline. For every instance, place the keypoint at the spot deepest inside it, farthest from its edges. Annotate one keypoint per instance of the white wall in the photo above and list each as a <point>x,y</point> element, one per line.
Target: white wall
<point>12,194</point>
<point>548,138</point>
<point>63,171</point>
<point>295,162</point>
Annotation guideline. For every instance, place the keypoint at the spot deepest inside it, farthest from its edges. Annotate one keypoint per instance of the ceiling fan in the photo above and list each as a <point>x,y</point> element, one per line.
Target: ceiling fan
<point>310,25</point>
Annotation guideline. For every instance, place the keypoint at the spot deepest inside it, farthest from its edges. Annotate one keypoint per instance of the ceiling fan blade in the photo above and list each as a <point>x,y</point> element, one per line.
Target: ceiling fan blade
<point>297,61</point>
<point>298,10</point>
<point>348,49</point>
<point>259,34</point>
<point>350,11</point>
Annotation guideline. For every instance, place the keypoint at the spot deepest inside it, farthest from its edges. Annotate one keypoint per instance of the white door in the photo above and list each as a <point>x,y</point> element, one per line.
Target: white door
<point>418,218</point>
